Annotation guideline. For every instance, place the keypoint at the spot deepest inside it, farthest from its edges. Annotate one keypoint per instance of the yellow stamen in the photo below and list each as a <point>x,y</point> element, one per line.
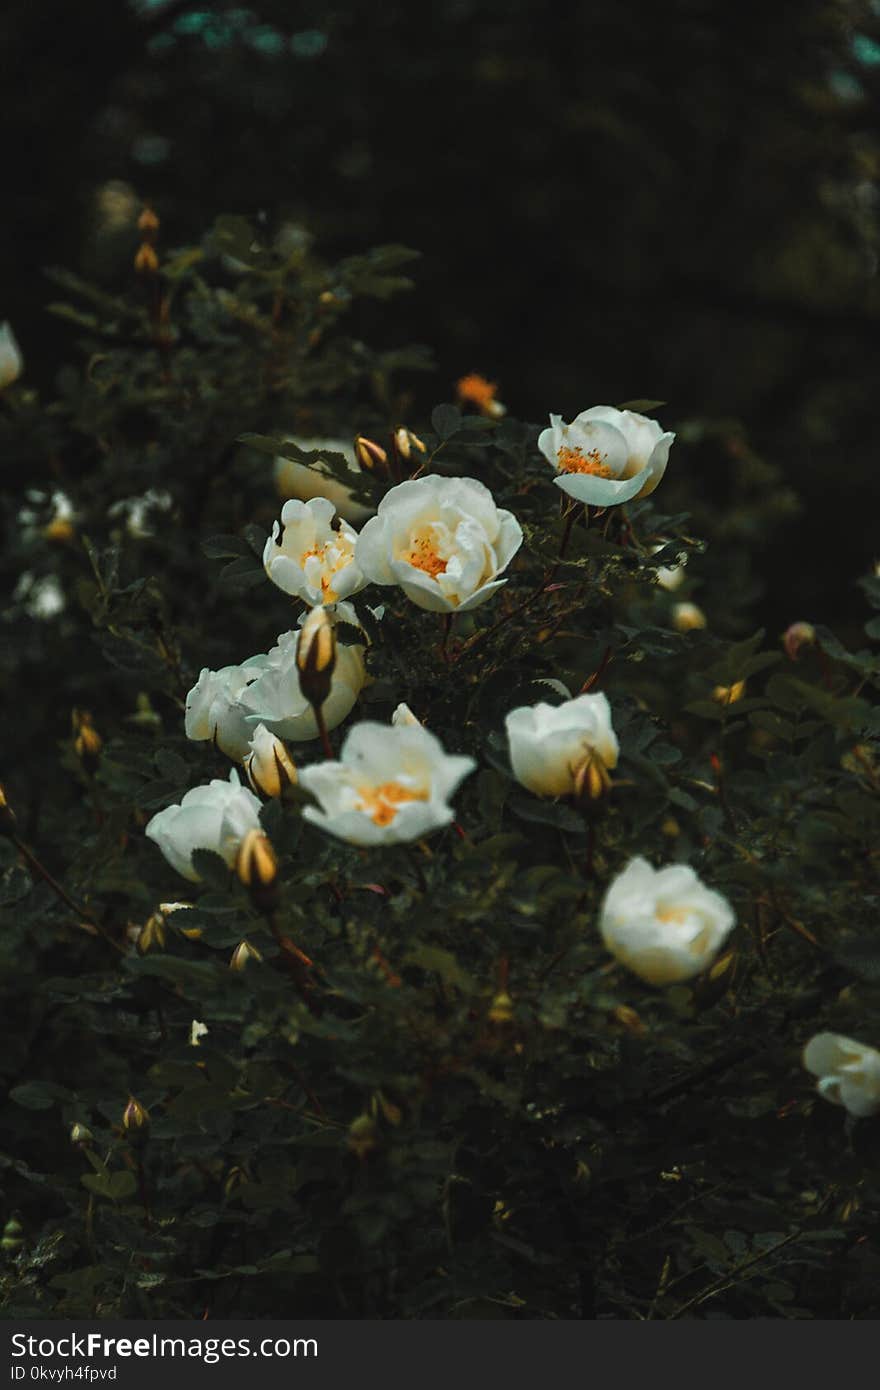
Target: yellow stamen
<point>679,915</point>
<point>576,461</point>
<point>383,802</point>
<point>424,557</point>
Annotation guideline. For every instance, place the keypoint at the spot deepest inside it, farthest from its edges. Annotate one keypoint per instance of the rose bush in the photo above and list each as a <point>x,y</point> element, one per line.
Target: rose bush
<point>509,953</point>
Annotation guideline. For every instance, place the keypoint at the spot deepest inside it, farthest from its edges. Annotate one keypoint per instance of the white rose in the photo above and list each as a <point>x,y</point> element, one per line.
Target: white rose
<point>305,557</point>
<point>848,1072</point>
<point>442,540</point>
<point>548,743</point>
<point>213,710</point>
<point>299,481</point>
<point>228,705</point>
<point>687,617</point>
<point>276,699</point>
<point>606,456</point>
<point>214,817</point>
<point>391,783</point>
<point>664,924</point>
<point>11,360</point>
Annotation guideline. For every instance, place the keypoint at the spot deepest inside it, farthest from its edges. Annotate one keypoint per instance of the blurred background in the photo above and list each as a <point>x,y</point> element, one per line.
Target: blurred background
<point>615,199</point>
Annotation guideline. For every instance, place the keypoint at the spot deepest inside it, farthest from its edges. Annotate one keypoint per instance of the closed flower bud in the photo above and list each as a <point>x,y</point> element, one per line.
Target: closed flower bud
<point>236,1177</point>
<point>687,617</point>
<point>257,868</point>
<point>81,1136</point>
<point>148,222</point>
<point>363,1136</point>
<point>135,1119</point>
<point>729,694</point>
<point>152,935</point>
<point>501,1008</point>
<point>7,815</point>
<point>146,262</point>
<point>59,529</point>
<point>405,441</point>
<point>316,656</point>
<point>591,779</point>
<point>243,954</point>
<point>629,1019</point>
<point>197,1031</point>
<point>268,764</point>
<point>369,454</point>
<point>87,742</point>
<point>796,636</point>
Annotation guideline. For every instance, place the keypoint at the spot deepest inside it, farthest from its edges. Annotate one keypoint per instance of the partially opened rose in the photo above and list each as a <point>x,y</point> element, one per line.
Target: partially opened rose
<point>392,783</point>
<point>848,1072</point>
<point>549,743</point>
<point>664,924</point>
<point>306,557</point>
<point>606,456</point>
<point>214,817</point>
<point>299,480</point>
<point>442,540</point>
<point>227,705</point>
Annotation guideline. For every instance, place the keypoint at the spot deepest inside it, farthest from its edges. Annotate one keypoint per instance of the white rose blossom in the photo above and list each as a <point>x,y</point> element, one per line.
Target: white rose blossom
<point>11,360</point>
<point>549,743</point>
<point>848,1072</point>
<point>664,924</point>
<point>442,540</point>
<point>214,817</point>
<point>392,783</point>
<point>228,705</point>
<point>299,481</point>
<point>307,558</point>
<point>606,456</point>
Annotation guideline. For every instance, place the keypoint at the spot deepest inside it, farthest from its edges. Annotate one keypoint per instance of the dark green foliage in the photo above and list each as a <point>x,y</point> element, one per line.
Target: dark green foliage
<point>370,1135</point>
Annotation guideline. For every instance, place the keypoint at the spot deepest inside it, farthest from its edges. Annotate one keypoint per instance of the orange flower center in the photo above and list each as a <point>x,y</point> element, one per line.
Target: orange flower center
<point>382,803</point>
<point>678,915</point>
<point>423,556</point>
<point>576,461</point>
<point>476,389</point>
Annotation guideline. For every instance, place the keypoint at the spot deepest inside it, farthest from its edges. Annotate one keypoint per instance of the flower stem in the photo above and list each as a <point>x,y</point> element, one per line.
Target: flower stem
<point>322,730</point>
<point>42,872</point>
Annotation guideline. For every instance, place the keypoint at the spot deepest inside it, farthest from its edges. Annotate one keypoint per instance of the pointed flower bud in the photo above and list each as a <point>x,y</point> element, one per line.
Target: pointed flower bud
<point>81,1136</point>
<point>796,636</point>
<point>592,779</point>
<point>369,454</point>
<point>316,656</point>
<point>501,1008</point>
<point>729,694</point>
<point>268,765</point>
<point>243,954</point>
<point>148,222</point>
<point>146,262</point>
<point>405,441</point>
<point>257,868</point>
<point>152,935</point>
<point>87,742</point>
<point>135,1119</point>
<point>363,1136</point>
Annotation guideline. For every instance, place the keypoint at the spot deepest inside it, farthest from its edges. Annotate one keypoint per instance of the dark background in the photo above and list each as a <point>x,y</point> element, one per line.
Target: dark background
<point>614,199</point>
